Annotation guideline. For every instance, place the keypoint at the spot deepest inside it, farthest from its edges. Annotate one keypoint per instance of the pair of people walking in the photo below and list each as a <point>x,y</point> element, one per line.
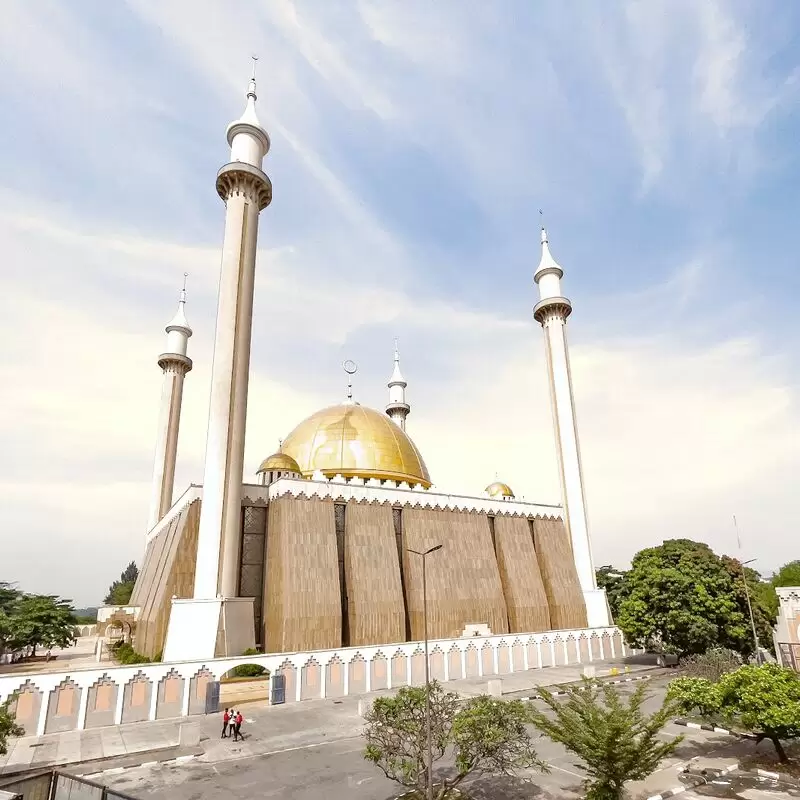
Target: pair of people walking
<point>232,724</point>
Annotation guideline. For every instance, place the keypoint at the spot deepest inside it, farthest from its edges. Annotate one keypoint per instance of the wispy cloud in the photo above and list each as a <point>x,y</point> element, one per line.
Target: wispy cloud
<point>412,145</point>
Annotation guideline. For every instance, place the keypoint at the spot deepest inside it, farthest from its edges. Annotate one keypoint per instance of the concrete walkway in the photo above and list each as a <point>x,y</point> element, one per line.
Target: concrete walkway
<point>267,729</point>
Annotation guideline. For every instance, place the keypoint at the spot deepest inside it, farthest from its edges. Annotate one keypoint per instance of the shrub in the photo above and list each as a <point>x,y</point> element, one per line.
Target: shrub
<point>8,727</point>
<point>125,654</point>
<point>712,664</point>
<point>615,740</point>
<point>248,671</point>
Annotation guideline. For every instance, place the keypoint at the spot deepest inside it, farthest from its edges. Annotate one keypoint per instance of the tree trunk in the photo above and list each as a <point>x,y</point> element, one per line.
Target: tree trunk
<point>782,757</point>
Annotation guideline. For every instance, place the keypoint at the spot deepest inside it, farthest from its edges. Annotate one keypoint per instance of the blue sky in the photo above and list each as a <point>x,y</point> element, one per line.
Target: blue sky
<point>412,146</point>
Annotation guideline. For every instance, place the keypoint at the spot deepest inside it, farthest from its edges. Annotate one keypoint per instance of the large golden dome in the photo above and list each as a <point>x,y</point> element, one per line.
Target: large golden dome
<point>355,442</point>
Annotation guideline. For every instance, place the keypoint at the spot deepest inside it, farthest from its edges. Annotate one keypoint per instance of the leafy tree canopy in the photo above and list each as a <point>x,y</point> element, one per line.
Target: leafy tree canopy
<point>29,621</point>
<point>611,735</point>
<point>763,700</point>
<point>681,597</point>
<point>487,736</point>
<point>787,575</point>
<point>119,593</point>
<point>613,581</point>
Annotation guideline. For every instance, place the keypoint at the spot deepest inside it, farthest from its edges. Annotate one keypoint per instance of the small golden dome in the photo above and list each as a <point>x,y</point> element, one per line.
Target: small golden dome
<point>356,442</point>
<point>499,489</point>
<point>279,462</point>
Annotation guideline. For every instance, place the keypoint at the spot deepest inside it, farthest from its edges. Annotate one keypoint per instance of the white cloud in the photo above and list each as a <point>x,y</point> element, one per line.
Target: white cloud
<point>682,423</point>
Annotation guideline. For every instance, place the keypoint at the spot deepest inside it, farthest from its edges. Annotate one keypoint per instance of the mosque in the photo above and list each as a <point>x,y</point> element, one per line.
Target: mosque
<point>324,547</point>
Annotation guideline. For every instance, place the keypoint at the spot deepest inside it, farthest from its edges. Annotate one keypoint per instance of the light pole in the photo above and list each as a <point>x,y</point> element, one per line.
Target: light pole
<point>427,670</point>
<point>750,608</point>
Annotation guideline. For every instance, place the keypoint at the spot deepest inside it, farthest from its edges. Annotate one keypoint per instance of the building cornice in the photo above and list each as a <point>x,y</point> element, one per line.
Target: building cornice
<point>401,494</point>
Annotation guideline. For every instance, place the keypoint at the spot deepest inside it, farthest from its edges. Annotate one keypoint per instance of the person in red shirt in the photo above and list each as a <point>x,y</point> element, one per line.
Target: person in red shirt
<point>238,727</point>
<point>226,718</point>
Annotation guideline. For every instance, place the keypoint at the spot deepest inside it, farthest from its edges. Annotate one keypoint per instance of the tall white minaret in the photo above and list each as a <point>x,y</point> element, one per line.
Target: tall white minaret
<point>215,621</point>
<point>246,191</point>
<point>551,312</point>
<point>174,365</point>
<point>397,409</point>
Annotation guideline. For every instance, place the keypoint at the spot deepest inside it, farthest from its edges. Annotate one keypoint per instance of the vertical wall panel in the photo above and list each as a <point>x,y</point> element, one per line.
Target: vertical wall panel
<point>526,599</point>
<point>169,572</point>
<point>302,601</point>
<point>463,579</point>
<point>560,578</point>
<point>372,568</point>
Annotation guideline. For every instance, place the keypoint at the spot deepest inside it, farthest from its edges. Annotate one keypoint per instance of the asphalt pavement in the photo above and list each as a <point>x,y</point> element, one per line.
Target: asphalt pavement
<point>336,770</point>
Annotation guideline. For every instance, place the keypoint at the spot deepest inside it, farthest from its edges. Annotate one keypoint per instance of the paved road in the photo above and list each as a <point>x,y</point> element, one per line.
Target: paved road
<point>337,770</point>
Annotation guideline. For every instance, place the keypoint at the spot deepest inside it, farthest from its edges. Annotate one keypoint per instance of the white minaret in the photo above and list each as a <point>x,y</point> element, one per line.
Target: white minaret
<point>552,311</point>
<point>397,409</point>
<point>246,191</point>
<point>174,365</point>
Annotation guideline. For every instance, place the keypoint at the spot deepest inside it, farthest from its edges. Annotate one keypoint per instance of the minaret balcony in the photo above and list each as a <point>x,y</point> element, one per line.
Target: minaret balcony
<point>552,307</point>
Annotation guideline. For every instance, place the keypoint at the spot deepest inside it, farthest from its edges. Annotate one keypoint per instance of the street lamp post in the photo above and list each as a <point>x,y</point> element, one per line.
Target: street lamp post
<point>750,609</point>
<point>429,770</point>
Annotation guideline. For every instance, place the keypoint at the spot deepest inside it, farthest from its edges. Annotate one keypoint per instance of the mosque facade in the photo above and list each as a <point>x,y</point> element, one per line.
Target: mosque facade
<point>323,548</point>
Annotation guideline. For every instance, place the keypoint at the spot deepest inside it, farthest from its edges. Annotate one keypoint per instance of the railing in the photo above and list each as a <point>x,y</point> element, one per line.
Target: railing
<point>57,785</point>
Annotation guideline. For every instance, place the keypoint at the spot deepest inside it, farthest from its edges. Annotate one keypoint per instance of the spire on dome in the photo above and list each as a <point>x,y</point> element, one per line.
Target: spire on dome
<point>397,378</point>
<point>250,126</point>
<point>250,117</point>
<point>547,264</point>
<point>179,322</point>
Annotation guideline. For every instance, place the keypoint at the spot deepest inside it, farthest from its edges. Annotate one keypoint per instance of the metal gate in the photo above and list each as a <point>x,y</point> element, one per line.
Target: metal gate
<point>278,694</point>
<point>212,697</point>
<point>58,785</point>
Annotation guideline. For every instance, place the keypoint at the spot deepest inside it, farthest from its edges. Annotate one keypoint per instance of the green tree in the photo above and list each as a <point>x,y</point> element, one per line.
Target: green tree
<point>8,727</point>
<point>488,736</point>
<point>760,595</point>
<point>9,596</point>
<point>787,575</point>
<point>614,739</point>
<point>42,621</point>
<point>763,700</point>
<point>681,597</point>
<point>613,581</point>
<point>119,593</point>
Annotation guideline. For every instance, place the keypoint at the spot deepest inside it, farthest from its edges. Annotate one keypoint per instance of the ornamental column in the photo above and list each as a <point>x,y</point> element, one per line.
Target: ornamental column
<point>174,365</point>
<point>246,191</point>
<point>551,312</point>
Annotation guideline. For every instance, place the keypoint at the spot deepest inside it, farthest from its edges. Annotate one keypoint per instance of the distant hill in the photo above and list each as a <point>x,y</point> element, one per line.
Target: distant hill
<point>87,613</point>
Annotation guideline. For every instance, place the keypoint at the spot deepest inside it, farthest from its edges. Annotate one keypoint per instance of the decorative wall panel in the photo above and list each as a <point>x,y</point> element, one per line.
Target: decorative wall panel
<point>559,576</point>
<point>167,572</point>
<point>526,599</point>
<point>463,579</point>
<point>372,570</point>
<point>301,595</point>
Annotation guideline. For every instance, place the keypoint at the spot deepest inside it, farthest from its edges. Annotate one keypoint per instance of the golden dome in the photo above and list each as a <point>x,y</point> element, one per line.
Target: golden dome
<point>355,442</point>
<point>279,461</point>
<point>499,489</point>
